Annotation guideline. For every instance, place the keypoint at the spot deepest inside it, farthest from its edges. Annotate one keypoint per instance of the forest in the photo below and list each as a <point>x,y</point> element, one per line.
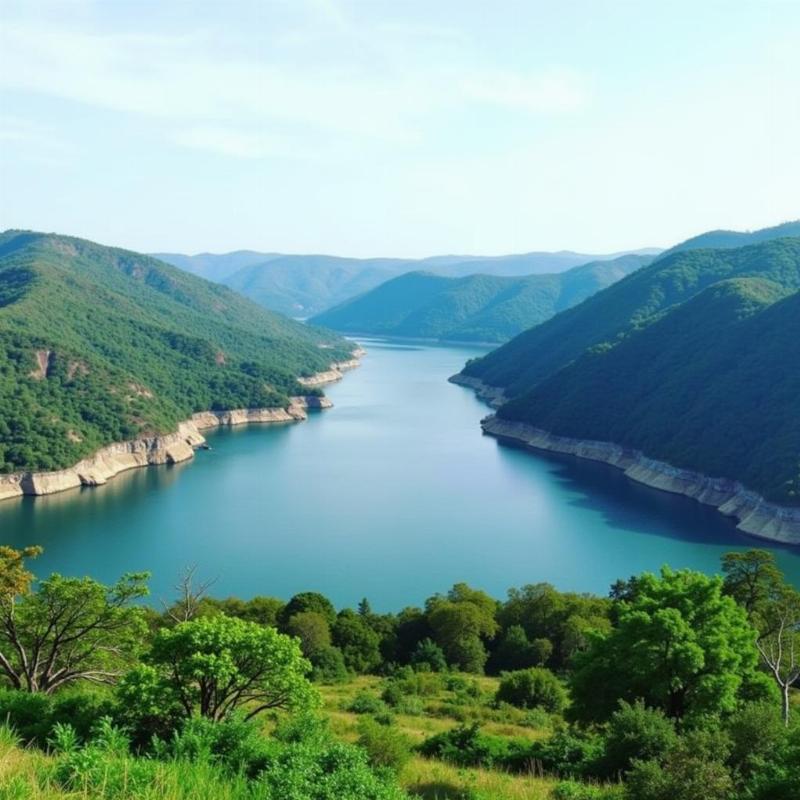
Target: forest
<point>676,685</point>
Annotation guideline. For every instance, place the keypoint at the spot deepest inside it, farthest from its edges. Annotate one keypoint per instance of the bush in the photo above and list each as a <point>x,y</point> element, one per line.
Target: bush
<point>385,746</point>
<point>569,754</point>
<point>635,733</point>
<point>466,746</point>
<point>366,703</point>
<point>533,688</point>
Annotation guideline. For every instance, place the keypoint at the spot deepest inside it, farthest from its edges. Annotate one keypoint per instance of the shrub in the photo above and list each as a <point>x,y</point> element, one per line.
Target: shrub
<point>466,746</point>
<point>385,746</point>
<point>366,703</point>
<point>568,753</point>
<point>572,790</point>
<point>533,688</point>
<point>635,733</point>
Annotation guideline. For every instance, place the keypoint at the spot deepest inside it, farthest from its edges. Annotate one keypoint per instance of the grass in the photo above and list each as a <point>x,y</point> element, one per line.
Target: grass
<point>436,780</point>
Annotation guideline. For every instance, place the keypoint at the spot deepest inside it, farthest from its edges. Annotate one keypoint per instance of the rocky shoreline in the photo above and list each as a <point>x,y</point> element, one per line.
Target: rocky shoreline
<point>755,515</point>
<point>493,396</point>
<point>171,448</point>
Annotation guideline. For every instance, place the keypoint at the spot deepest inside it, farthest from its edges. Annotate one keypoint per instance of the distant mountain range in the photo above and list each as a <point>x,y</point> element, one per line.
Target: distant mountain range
<point>304,285</point>
<point>694,360</point>
<point>100,345</point>
<point>483,308</point>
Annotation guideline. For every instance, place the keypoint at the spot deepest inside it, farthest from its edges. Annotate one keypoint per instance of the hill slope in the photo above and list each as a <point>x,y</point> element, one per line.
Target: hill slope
<point>100,345</point>
<point>727,239</point>
<point>303,285</point>
<point>631,303</point>
<point>711,385</point>
<point>474,308</point>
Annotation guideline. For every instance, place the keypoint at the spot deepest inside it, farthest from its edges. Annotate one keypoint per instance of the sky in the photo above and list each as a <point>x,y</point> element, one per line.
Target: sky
<point>400,128</point>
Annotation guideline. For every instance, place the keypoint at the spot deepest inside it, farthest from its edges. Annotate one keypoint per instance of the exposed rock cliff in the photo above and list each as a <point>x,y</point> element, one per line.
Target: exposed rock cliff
<point>492,395</point>
<point>754,514</point>
<point>170,448</point>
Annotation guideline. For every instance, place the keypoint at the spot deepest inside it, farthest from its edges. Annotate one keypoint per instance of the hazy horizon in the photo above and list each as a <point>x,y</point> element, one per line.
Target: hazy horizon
<point>377,129</point>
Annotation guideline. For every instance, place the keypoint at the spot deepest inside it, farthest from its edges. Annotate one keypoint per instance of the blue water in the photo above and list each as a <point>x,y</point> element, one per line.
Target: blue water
<point>394,494</point>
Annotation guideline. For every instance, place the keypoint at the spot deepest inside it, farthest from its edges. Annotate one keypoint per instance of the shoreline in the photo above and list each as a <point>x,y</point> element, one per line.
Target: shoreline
<point>169,448</point>
<point>755,516</point>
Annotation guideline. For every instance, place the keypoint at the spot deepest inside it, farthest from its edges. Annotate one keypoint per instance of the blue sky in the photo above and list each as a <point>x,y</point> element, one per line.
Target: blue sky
<point>398,128</point>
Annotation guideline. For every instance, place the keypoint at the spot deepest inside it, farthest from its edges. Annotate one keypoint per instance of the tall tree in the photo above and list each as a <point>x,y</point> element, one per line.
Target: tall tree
<point>680,645</point>
<point>66,629</point>
<point>754,580</point>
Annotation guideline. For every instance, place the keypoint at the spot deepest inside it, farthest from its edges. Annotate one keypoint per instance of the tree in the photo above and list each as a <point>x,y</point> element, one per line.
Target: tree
<point>312,630</point>
<point>308,601</point>
<point>68,629</point>
<point>536,687</point>
<point>773,607</point>
<point>359,644</point>
<point>428,656</point>
<point>680,645</point>
<point>460,621</point>
<point>213,665</point>
<point>191,594</point>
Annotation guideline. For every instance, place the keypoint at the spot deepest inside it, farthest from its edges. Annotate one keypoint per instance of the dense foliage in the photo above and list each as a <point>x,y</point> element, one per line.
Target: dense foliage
<point>100,345</point>
<point>653,693</point>
<point>473,308</point>
<point>617,368</point>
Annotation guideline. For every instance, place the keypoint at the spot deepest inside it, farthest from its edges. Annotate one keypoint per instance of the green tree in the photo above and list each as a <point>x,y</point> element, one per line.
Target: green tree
<point>67,629</point>
<point>359,644</point>
<point>313,631</point>
<point>213,665</point>
<point>679,645</point>
<point>773,606</point>
<point>308,601</point>
<point>460,621</point>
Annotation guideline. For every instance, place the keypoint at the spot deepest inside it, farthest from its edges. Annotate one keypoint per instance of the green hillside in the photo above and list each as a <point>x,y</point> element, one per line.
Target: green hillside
<point>631,303</point>
<point>726,239</point>
<point>99,344</point>
<point>473,308</point>
<point>305,285</point>
<point>712,385</point>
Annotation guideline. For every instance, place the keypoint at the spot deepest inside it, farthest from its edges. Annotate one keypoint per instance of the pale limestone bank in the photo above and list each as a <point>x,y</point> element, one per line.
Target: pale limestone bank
<point>491,395</point>
<point>335,373</point>
<point>755,515</point>
<point>171,448</point>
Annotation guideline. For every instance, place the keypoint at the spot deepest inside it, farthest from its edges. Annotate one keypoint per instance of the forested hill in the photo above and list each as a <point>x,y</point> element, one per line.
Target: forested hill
<point>99,345</point>
<point>473,308</point>
<point>727,239</point>
<point>711,385</point>
<point>304,285</point>
<point>632,303</point>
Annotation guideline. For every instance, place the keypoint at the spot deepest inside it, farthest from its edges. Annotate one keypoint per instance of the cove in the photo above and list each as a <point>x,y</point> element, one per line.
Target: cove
<point>393,495</point>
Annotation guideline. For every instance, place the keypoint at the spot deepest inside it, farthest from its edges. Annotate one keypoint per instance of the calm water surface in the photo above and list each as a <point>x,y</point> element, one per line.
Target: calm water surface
<point>394,494</point>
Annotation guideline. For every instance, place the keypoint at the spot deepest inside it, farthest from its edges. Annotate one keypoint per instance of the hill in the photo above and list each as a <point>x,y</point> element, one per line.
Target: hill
<point>711,386</point>
<point>473,308</point>
<point>633,302</point>
<point>726,239</point>
<point>99,345</point>
<point>304,285</point>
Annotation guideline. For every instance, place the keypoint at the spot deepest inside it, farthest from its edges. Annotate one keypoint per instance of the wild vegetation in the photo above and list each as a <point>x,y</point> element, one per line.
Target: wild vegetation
<point>616,369</point>
<point>100,345</point>
<point>477,307</point>
<point>670,687</point>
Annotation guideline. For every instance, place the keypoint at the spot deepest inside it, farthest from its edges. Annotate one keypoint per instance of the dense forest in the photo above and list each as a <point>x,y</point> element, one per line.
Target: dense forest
<point>616,368</point>
<point>99,345</point>
<point>675,686</point>
<point>484,308</point>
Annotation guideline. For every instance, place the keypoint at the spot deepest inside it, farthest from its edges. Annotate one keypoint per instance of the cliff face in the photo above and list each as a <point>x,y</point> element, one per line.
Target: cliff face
<point>491,395</point>
<point>755,515</point>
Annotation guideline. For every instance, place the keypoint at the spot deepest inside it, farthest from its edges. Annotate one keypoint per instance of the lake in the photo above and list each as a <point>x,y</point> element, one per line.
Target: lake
<point>394,494</point>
